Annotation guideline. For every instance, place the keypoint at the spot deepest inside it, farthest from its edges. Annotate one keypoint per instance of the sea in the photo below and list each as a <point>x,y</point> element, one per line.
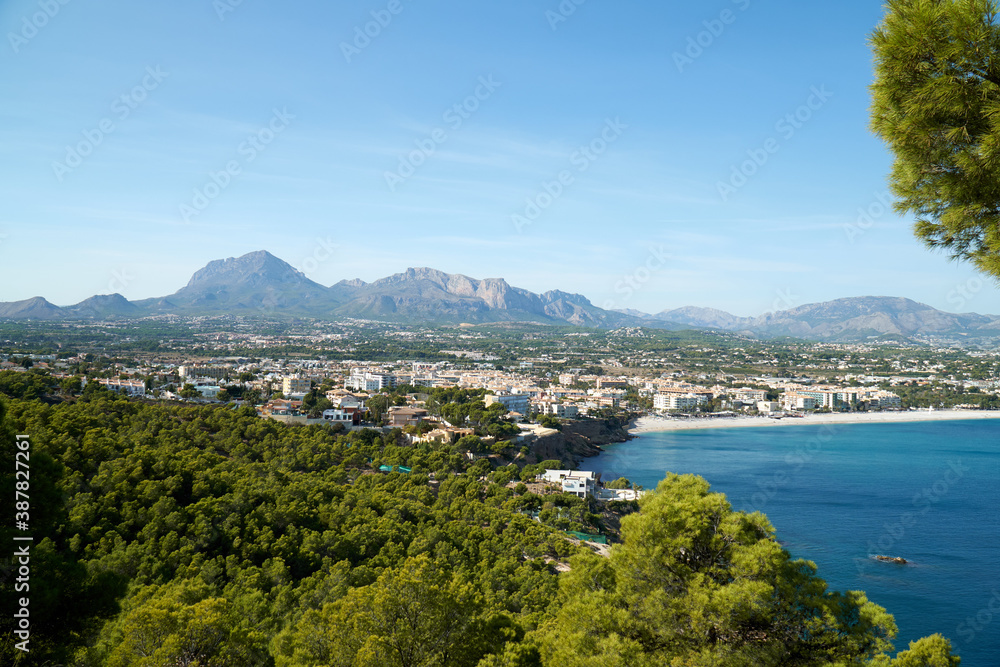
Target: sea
<point>839,494</point>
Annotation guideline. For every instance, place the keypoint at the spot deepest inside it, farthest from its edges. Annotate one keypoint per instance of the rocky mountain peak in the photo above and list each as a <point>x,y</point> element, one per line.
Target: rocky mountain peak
<point>255,269</point>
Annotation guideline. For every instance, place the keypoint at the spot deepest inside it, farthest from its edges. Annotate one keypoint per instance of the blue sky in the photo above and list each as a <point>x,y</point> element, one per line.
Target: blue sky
<point>648,155</point>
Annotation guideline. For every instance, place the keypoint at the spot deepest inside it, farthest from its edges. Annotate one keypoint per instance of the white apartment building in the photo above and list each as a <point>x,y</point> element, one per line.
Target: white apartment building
<point>580,483</point>
<point>513,402</point>
<point>555,408</point>
<point>130,387</point>
<point>339,416</point>
<point>768,406</point>
<point>292,385</point>
<point>750,396</point>
<point>191,371</point>
<point>361,380</point>
<point>677,401</point>
<point>883,400</point>
<point>562,410</point>
<point>795,401</point>
<point>208,390</point>
<point>342,400</point>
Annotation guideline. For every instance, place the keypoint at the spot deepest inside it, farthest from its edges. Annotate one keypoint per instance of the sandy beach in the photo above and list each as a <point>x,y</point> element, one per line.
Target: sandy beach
<point>655,424</point>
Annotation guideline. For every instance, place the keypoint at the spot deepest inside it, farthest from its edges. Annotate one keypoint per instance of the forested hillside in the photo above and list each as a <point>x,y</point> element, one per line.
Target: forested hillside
<point>170,535</point>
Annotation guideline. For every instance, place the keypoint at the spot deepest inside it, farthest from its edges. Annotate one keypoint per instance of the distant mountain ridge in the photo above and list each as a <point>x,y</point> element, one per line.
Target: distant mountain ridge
<point>852,318</point>
<point>259,283</point>
<point>877,315</point>
<point>431,295</point>
<point>709,318</point>
<point>35,308</point>
<point>106,306</point>
<point>254,282</point>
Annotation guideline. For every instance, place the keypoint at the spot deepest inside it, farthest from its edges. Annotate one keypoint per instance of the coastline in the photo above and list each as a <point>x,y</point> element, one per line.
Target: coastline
<point>659,424</point>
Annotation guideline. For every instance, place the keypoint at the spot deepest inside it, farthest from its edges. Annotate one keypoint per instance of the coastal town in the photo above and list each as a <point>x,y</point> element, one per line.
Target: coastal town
<point>530,373</point>
<point>539,393</point>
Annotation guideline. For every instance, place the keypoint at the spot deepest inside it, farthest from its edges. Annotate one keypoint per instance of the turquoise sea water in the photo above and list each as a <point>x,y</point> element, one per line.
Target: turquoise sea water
<point>838,494</point>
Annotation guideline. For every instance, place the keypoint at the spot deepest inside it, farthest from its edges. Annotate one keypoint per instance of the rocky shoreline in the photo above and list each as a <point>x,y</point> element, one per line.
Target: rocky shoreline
<point>579,440</point>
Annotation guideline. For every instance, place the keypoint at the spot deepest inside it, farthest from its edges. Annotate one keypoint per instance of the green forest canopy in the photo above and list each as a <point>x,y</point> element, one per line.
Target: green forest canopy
<point>204,535</point>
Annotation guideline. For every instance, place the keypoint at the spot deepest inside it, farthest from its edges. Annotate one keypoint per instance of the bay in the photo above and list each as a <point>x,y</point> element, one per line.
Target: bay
<point>840,494</point>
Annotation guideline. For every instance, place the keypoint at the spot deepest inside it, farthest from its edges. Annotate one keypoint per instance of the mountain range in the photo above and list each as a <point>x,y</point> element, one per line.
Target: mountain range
<point>261,284</point>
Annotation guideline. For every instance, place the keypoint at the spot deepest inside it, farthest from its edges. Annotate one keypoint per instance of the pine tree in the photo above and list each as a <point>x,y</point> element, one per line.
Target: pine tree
<point>936,103</point>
